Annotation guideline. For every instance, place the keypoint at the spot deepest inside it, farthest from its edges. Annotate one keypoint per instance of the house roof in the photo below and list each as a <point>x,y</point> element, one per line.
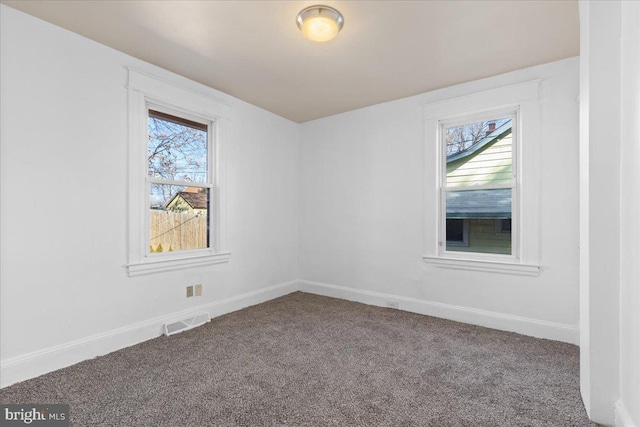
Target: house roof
<point>479,204</point>
<point>498,133</point>
<point>195,200</point>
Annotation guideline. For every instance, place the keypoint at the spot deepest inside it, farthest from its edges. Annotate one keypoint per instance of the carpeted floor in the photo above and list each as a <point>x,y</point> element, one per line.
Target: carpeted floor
<point>306,360</point>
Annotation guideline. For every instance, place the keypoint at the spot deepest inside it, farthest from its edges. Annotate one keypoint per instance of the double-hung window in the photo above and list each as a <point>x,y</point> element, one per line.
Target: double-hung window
<point>479,185</point>
<point>176,176</point>
<point>179,181</point>
<point>481,181</point>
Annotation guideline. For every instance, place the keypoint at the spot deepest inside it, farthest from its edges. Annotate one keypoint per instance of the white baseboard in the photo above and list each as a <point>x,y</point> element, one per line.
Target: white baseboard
<point>40,362</point>
<point>505,322</point>
<point>623,419</point>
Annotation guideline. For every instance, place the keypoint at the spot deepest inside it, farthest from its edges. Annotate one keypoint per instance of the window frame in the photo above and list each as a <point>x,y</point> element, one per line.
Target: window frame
<point>523,98</point>
<point>192,102</point>
<point>513,186</point>
<point>210,183</point>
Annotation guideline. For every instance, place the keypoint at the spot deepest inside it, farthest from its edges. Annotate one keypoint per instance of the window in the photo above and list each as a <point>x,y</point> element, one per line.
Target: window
<point>176,176</point>
<point>481,185</point>
<point>178,157</point>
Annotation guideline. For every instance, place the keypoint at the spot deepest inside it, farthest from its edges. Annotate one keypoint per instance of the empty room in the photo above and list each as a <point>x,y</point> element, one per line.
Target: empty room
<point>346,213</point>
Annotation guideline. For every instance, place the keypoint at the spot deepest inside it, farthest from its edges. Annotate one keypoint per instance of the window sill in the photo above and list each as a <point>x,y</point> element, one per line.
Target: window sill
<point>163,265</point>
<point>486,266</point>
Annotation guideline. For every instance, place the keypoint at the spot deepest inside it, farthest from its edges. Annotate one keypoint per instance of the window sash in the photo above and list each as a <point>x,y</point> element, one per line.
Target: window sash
<point>445,187</point>
<point>174,118</point>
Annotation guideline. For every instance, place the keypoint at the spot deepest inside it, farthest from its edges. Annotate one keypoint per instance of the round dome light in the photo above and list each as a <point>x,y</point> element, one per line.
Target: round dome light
<point>320,23</point>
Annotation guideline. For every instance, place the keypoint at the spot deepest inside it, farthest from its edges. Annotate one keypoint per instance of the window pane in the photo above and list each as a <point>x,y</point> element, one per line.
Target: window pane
<point>479,153</point>
<point>480,209</point>
<point>177,148</point>
<point>178,218</point>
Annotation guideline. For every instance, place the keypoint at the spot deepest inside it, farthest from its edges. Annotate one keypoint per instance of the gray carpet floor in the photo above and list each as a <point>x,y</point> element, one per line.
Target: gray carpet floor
<point>307,360</point>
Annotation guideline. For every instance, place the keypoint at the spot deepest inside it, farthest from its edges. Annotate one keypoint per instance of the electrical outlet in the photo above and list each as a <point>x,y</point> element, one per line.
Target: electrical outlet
<point>189,291</point>
<point>393,304</point>
<point>198,290</point>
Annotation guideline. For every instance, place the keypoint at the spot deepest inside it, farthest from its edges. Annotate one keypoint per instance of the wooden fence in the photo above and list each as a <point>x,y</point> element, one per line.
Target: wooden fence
<point>175,231</point>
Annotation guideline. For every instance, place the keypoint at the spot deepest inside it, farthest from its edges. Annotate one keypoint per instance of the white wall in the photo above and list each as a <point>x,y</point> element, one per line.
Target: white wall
<point>600,353</point>
<point>361,213</point>
<point>585,359</point>
<point>65,293</point>
<point>629,405</point>
<point>610,154</point>
<point>610,298</point>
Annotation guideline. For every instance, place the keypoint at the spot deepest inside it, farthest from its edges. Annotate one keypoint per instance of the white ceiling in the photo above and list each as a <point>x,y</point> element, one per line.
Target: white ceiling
<point>387,50</point>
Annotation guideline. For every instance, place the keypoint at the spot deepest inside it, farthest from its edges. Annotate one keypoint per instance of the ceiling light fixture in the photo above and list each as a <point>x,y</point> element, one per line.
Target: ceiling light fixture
<point>320,23</point>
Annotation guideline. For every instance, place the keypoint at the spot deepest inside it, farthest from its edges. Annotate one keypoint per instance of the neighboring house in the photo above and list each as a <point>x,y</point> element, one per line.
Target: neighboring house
<point>188,202</point>
<point>182,224</point>
<point>480,220</point>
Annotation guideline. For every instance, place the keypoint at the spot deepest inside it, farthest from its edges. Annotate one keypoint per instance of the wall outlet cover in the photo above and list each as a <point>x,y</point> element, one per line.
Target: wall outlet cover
<point>189,291</point>
<point>198,290</point>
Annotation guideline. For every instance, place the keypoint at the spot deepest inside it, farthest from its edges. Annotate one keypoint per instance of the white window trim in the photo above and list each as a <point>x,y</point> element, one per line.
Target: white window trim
<point>145,90</point>
<point>523,98</point>
<point>486,265</point>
